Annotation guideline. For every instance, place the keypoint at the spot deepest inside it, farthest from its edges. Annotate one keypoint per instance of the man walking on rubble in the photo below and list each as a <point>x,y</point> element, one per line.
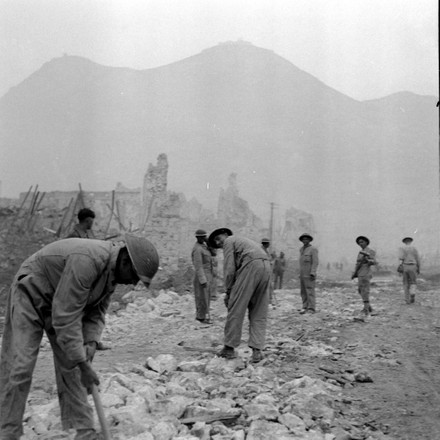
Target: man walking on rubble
<point>308,264</point>
<point>203,265</point>
<point>64,290</point>
<point>83,229</point>
<point>365,259</point>
<point>409,267</point>
<point>246,277</point>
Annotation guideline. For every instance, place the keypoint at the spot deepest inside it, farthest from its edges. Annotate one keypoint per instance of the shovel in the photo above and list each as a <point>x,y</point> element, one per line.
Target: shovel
<point>101,416</point>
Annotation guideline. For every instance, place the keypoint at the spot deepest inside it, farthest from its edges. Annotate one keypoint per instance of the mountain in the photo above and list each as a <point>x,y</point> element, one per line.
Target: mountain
<point>367,168</point>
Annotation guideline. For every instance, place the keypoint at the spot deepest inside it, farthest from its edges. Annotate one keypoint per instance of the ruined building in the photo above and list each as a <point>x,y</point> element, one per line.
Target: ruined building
<point>167,218</point>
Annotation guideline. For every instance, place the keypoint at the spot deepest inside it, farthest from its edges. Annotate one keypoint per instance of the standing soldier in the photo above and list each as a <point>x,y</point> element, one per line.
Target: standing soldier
<point>83,229</point>
<point>410,268</point>
<point>64,290</point>
<point>308,263</point>
<point>279,267</point>
<point>202,261</point>
<point>246,274</point>
<point>365,259</point>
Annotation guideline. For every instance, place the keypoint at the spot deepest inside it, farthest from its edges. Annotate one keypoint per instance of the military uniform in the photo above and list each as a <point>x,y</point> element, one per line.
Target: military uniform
<point>279,267</point>
<point>78,232</point>
<point>365,259</point>
<point>246,277</point>
<point>203,279</point>
<point>308,264</point>
<point>410,260</point>
<point>64,290</point>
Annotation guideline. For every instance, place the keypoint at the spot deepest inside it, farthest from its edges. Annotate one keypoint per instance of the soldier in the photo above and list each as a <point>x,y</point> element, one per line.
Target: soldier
<point>410,268</point>
<point>202,261</point>
<point>83,229</point>
<point>64,290</point>
<point>365,259</point>
<point>279,267</point>
<point>265,245</point>
<point>308,264</point>
<point>246,276</point>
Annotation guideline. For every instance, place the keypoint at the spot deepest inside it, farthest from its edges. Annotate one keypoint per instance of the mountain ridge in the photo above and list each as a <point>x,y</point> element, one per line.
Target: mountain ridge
<point>231,108</point>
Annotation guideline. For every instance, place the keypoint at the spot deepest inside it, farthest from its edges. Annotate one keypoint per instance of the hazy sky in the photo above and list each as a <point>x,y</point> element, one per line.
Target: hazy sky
<point>363,48</point>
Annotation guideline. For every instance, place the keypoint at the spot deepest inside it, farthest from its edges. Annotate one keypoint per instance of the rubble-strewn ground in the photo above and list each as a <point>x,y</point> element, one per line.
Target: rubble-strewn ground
<point>324,376</point>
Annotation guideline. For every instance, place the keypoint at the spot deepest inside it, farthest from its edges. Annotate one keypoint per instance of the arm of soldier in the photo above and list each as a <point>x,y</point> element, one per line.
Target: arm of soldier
<point>198,265</point>
<point>315,262</point>
<point>228,265</point>
<point>70,299</point>
<point>372,258</point>
<point>417,260</point>
<point>93,325</point>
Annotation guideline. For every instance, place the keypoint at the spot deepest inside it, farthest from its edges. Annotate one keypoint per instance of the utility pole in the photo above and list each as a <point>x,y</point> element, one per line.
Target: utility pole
<point>272,207</point>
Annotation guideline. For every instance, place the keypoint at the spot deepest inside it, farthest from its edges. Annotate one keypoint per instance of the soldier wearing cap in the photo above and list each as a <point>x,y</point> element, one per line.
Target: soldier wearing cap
<point>308,264</point>
<point>246,277</point>
<point>410,267</point>
<point>204,270</point>
<point>365,259</point>
<point>64,290</point>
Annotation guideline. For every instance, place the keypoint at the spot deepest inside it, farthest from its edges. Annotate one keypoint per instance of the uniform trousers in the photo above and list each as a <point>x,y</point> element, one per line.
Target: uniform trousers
<point>249,292</point>
<point>26,320</point>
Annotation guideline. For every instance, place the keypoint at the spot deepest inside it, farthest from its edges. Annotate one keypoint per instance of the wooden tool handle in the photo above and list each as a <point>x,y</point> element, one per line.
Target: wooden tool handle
<point>100,411</point>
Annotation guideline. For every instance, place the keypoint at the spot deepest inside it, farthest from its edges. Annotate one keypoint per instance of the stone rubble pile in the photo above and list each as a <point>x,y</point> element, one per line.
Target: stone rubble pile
<point>202,396</point>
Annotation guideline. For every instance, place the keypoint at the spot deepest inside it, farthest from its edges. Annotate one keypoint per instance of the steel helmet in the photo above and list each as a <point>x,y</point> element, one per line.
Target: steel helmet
<point>144,257</point>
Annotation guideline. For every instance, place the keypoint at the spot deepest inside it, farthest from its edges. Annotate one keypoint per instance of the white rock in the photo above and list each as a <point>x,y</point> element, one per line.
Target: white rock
<point>164,431</point>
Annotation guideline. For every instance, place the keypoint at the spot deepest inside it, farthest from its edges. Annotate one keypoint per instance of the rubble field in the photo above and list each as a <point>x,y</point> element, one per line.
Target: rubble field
<point>324,376</point>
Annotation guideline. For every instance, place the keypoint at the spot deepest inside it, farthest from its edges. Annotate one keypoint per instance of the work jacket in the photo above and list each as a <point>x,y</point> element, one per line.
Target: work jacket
<point>308,260</point>
<point>70,282</point>
<point>365,259</point>
<point>203,262</point>
<point>409,255</point>
<point>238,252</point>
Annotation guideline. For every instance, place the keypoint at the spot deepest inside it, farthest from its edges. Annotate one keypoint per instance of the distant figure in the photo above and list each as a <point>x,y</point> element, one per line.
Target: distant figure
<point>410,268</point>
<point>365,259</point>
<point>308,263</point>
<point>83,229</point>
<point>279,267</point>
<point>246,274</point>
<point>202,261</point>
<point>265,244</point>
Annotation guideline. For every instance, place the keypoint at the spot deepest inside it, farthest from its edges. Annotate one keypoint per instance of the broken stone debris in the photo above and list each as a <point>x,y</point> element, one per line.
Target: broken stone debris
<point>205,397</point>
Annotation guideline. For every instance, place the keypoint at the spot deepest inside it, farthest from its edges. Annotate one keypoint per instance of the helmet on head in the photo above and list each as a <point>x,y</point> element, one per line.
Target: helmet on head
<point>201,233</point>
<point>144,257</point>
<point>265,240</point>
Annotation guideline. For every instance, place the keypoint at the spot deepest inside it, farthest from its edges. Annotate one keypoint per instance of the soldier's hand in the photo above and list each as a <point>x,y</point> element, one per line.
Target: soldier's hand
<point>88,376</point>
<point>90,348</point>
<point>226,300</point>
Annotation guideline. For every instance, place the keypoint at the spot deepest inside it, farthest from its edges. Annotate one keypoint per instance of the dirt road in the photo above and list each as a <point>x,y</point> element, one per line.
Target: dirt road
<point>398,348</point>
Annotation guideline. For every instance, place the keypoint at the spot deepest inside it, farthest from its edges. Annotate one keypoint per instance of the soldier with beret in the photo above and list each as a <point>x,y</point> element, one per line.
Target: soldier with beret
<point>365,259</point>
<point>204,270</point>
<point>246,276</point>
<point>308,264</point>
<point>410,268</point>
